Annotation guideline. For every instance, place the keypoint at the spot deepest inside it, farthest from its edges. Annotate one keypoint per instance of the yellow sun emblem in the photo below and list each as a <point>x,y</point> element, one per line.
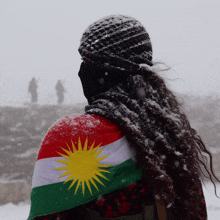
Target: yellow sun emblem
<point>83,165</point>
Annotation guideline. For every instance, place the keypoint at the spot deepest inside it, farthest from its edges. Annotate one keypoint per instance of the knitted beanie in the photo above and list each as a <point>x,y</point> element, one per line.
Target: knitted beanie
<point>118,41</point>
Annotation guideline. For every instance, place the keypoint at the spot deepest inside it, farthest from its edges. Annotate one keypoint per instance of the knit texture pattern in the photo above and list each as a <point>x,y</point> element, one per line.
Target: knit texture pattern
<point>116,40</point>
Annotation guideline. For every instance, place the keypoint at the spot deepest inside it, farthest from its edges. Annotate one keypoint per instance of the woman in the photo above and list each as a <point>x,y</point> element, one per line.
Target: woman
<point>151,165</point>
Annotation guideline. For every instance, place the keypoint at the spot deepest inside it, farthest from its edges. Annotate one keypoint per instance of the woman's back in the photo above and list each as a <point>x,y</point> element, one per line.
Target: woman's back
<point>158,151</point>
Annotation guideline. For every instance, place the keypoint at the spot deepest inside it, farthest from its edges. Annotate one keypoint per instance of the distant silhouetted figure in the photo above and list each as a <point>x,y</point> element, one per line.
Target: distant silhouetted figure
<point>32,89</point>
<point>60,92</point>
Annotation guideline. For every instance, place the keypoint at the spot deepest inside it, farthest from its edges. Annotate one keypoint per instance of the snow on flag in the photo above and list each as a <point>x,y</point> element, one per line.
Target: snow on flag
<point>80,158</point>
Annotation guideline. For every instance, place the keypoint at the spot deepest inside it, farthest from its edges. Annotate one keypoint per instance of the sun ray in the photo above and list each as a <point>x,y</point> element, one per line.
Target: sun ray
<point>101,158</point>
<point>102,170</point>
<point>88,185</point>
<point>93,183</point>
<point>65,174</point>
<point>62,168</point>
<point>69,178</point>
<point>62,161</point>
<point>70,151</point>
<point>66,151</point>
<point>95,148</point>
<point>63,155</point>
<point>77,186</point>
<point>97,152</point>
<point>85,144</point>
<point>99,174</point>
<point>83,187</point>
<point>82,166</point>
<point>98,180</point>
<point>104,165</point>
<point>91,147</point>
<point>73,182</point>
<point>79,145</point>
<point>73,146</point>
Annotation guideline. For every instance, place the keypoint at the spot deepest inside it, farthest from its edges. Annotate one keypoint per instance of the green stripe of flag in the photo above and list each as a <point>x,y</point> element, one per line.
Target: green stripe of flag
<point>56,197</point>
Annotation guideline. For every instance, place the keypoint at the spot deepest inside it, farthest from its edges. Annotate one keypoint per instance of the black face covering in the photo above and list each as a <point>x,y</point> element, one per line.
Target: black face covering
<point>97,78</point>
<point>93,79</point>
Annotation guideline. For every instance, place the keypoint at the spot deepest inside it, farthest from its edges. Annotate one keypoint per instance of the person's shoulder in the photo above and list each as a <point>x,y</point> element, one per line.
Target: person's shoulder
<point>81,124</point>
<point>72,128</point>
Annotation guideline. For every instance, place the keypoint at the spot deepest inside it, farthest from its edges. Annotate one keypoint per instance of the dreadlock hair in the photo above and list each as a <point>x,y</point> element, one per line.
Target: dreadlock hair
<point>120,84</point>
<point>169,150</point>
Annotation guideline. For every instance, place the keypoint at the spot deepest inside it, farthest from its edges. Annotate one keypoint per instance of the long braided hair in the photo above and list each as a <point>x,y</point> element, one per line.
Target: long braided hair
<point>120,85</point>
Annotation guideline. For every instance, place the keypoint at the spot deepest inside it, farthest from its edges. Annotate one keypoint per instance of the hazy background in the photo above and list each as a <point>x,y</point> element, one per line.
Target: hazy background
<point>40,38</point>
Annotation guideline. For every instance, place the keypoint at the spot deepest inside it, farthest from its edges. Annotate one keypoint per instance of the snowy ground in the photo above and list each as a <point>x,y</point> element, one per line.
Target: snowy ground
<point>21,211</point>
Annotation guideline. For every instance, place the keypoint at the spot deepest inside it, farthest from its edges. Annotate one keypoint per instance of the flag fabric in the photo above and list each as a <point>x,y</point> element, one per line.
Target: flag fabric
<point>80,158</point>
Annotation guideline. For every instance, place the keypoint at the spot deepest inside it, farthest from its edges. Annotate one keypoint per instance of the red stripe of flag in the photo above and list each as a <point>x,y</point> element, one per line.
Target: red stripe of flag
<point>71,128</point>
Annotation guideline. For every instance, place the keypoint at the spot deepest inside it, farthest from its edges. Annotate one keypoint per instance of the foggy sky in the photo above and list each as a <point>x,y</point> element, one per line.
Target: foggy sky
<point>40,38</point>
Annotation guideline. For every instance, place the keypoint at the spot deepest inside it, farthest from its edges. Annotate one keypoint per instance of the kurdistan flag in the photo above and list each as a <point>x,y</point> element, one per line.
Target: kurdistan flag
<point>80,158</point>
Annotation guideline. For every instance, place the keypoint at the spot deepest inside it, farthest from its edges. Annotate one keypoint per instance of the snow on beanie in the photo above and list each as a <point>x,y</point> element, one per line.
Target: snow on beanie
<point>118,41</point>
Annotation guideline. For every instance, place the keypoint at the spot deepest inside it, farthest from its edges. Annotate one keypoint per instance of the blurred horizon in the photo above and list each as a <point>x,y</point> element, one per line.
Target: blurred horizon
<point>40,39</point>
